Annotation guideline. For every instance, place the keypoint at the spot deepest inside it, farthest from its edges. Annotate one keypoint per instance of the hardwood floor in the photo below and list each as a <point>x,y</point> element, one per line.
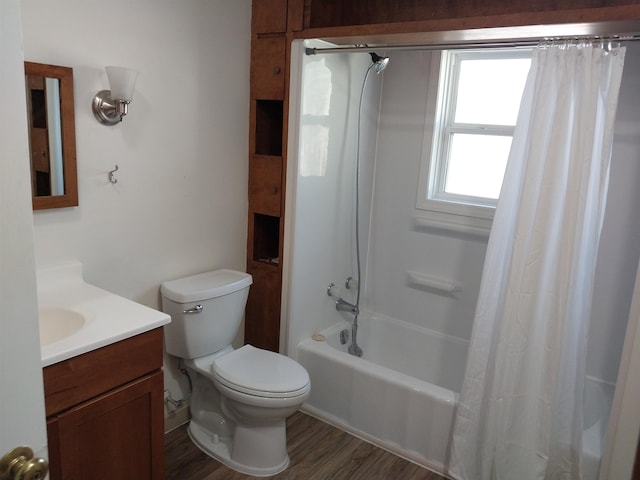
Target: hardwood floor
<point>317,450</point>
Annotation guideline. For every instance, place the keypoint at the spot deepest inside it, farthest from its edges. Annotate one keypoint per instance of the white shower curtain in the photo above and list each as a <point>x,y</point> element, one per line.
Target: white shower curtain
<point>520,411</point>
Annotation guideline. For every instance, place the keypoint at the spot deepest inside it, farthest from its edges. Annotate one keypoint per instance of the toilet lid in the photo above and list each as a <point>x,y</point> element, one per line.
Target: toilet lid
<point>261,372</point>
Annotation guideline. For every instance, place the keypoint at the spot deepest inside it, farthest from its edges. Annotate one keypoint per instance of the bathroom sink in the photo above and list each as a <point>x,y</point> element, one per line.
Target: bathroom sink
<point>57,323</point>
<point>77,317</point>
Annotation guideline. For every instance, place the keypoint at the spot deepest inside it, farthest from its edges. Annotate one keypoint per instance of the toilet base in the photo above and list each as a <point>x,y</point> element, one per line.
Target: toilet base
<point>221,451</point>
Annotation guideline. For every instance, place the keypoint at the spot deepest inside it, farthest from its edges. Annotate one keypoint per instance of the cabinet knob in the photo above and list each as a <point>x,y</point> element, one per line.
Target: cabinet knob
<point>20,464</point>
<point>276,70</point>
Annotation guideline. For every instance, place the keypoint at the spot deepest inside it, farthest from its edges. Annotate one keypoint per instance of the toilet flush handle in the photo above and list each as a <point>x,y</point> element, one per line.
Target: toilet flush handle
<point>197,309</point>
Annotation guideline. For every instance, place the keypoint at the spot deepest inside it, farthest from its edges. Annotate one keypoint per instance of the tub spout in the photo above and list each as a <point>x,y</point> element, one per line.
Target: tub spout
<point>354,348</point>
<point>344,306</point>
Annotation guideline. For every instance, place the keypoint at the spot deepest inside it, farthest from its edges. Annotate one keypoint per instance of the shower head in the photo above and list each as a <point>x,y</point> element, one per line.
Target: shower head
<point>379,63</point>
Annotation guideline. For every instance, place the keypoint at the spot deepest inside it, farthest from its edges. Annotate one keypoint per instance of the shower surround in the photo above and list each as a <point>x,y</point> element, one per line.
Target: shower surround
<point>419,277</point>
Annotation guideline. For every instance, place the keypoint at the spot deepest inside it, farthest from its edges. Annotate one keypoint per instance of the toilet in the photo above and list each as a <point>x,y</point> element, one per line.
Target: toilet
<point>240,397</point>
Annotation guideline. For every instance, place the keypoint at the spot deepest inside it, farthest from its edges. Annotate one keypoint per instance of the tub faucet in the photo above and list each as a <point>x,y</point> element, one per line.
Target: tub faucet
<point>344,306</point>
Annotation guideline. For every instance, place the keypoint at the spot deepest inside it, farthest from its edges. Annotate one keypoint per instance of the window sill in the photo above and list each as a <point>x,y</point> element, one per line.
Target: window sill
<point>431,221</point>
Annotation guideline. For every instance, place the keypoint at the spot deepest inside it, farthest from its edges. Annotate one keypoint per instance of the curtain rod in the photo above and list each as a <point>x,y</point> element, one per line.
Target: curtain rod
<point>465,45</point>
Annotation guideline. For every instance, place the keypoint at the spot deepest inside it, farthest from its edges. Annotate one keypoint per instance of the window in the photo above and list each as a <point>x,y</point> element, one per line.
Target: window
<point>474,112</point>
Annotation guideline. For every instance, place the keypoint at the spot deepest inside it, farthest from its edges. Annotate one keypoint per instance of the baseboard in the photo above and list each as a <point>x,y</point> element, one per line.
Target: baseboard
<point>176,418</point>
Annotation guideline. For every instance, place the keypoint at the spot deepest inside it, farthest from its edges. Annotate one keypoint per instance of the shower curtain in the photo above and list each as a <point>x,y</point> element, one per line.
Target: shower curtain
<point>520,410</point>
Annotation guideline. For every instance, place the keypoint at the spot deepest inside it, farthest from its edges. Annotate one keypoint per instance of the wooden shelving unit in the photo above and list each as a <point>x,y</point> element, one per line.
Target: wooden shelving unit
<point>267,160</point>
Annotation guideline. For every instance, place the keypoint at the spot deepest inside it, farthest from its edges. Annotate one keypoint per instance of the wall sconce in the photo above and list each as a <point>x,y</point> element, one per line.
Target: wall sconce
<point>109,106</point>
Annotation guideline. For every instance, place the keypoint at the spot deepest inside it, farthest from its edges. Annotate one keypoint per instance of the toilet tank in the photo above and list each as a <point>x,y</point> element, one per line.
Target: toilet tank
<point>206,311</point>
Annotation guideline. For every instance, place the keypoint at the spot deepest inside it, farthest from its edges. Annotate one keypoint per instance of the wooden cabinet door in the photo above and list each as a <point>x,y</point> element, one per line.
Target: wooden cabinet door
<point>267,68</point>
<point>118,435</point>
<point>269,16</point>
<point>265,184</point>
<point>262,315</point>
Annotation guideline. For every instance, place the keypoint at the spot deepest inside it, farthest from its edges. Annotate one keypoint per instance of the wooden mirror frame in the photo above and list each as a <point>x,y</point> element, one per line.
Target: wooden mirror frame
<point>68,129</point>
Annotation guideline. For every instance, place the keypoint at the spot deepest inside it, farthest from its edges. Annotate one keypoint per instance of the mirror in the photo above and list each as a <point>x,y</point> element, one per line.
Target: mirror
<point>52,137</point>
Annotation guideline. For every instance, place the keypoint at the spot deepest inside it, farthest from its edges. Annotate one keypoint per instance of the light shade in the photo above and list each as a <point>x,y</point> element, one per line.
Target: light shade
<point>110,106</point>
<point>122,81</point>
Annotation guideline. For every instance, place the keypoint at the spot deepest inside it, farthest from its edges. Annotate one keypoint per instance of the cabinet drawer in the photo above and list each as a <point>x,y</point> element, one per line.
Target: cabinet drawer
<point>267,68</point>
<point>73,381</point>
<point>265,185</point>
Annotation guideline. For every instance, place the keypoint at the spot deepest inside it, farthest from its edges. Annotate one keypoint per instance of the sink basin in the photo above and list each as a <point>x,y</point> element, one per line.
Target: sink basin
<point>57,323</point>
<point>77,317</point>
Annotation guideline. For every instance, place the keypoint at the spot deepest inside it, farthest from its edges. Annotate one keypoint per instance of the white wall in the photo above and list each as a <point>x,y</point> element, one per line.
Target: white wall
<point>397,246</point>
<point>180,203</point>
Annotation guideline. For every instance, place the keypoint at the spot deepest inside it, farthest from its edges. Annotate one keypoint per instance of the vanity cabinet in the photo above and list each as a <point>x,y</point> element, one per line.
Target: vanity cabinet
<point>105,415</point>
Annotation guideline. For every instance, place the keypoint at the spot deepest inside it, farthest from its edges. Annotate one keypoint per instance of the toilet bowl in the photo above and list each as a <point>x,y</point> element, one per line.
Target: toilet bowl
<point>241,398</point>
<point>255,391</point>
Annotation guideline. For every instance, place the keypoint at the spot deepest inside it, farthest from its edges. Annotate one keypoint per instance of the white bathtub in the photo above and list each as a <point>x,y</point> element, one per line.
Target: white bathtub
<point>402,394</point>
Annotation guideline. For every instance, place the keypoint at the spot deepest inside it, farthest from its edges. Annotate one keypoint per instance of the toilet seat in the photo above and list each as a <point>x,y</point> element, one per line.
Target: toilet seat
<point>261,373</point>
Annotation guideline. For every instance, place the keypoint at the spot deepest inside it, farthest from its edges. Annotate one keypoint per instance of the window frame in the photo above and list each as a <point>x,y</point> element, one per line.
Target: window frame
<point>440,128</point>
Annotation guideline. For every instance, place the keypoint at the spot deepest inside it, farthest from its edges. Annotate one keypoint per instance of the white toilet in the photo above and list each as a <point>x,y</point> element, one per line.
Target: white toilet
<point>241,398</point>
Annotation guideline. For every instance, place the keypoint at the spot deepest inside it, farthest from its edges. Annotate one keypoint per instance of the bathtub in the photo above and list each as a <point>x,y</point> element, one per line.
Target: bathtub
<point>402,393</point>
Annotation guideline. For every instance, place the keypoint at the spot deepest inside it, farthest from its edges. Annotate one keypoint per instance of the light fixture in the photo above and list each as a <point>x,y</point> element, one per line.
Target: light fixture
<point>109,106</point>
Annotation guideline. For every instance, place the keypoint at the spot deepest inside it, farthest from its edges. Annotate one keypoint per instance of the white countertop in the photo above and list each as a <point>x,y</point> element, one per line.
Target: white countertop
<point>109,318</point>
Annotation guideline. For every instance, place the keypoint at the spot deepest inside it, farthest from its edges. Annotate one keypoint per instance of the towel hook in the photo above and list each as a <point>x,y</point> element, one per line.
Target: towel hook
<point>112,178</point>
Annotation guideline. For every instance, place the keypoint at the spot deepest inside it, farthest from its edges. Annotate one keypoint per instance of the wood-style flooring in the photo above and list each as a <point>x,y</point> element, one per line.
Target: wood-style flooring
<point>318,451</point>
